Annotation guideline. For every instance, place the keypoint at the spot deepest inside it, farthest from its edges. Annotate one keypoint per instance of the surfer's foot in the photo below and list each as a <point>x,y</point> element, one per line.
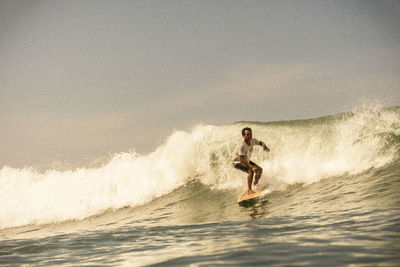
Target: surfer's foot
<point>250,192</point>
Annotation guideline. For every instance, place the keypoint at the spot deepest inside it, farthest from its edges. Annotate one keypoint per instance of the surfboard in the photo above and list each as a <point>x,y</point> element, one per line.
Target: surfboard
<point>246,198</point>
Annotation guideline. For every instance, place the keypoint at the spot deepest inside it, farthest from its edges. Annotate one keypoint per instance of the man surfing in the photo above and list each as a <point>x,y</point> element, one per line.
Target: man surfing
<point>241,158</point>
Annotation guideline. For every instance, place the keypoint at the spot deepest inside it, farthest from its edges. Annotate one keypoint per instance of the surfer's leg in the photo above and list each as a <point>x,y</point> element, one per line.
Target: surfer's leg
<point>258,176</point>
<point>250,181</point>
<point>244,168</point>
<point>259,172</point>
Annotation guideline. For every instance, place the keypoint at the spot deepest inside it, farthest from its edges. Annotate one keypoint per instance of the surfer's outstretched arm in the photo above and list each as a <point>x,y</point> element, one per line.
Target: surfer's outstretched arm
<point>261,143</point>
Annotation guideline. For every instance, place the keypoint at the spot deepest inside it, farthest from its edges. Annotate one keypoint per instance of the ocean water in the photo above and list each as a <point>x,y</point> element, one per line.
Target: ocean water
<point>333,199</point>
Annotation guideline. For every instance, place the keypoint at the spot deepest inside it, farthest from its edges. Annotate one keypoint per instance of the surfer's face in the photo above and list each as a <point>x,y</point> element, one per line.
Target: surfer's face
<point>247,135</point>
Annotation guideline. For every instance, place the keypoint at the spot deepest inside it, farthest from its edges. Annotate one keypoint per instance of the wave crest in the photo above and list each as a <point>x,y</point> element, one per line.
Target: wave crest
<point>303,151</point>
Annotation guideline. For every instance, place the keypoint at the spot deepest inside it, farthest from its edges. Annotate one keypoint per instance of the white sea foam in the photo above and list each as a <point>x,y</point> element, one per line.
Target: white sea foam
<point>301,152</point>
<point>347,144</point>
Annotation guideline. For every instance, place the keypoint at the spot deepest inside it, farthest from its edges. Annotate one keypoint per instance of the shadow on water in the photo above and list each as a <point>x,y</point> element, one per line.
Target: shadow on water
<point>196,203</point>
<point>256,207</point>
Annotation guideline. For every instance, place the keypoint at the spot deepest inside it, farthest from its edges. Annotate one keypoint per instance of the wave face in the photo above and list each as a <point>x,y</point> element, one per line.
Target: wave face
<point>302,151</point>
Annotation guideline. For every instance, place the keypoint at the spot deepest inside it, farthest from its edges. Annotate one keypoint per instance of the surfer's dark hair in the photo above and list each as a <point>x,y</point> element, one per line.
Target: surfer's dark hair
<point>244,129</point>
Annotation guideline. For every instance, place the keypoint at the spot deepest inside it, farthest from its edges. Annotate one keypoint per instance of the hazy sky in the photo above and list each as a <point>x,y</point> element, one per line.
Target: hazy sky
<point>80,79</point>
